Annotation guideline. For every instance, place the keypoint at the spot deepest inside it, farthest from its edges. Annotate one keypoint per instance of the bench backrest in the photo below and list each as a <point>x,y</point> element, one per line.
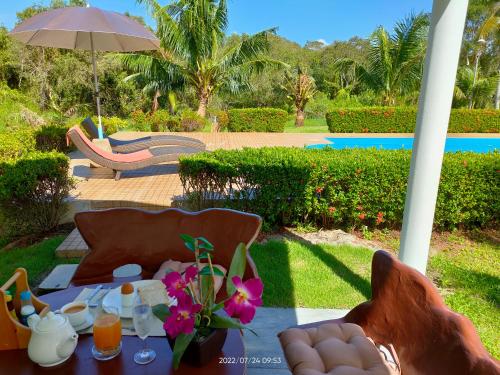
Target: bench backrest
<point>407,311</point>
<point>125,235</point>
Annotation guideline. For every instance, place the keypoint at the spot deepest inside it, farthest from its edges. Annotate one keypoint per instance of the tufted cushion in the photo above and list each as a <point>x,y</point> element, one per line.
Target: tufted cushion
<point>335,349</point>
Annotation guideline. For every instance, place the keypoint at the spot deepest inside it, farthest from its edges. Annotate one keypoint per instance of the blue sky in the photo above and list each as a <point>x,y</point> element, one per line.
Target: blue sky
<point>297,20</point>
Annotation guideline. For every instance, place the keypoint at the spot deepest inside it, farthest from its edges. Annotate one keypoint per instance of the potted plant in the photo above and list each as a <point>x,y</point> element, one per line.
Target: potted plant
<point>195,326</point>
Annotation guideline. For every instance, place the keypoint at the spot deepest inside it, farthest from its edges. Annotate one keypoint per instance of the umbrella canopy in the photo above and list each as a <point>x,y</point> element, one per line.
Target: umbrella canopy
<point>90,29</point>
<point>79,28</point>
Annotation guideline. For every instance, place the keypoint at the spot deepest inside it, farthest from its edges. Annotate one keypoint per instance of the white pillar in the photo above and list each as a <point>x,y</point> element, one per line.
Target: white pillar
<point>443,49</point>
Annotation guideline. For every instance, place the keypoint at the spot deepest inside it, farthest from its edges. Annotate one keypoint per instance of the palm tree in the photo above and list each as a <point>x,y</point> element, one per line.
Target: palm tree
<point>395,62</point>
<point>489,27</point>
<point>301,88</point>
<point>194,52</point>
<point>476,91</point>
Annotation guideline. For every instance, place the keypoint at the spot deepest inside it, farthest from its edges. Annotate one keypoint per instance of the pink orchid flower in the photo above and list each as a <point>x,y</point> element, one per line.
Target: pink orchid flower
<point>243,302</point>
<point>182,317</point>
<point>176,284</point>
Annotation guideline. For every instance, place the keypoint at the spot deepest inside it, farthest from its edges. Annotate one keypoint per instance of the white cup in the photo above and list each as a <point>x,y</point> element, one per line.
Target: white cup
<point>76,318</point>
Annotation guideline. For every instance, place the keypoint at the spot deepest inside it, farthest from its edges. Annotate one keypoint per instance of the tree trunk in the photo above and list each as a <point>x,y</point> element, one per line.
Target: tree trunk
<point>202,107</point>
<point>300,117</point>
<point>155,105</point>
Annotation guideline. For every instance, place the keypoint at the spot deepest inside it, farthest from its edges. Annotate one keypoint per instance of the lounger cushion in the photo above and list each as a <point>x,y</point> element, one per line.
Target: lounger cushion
<point>335,349</point>
<point>120,158</point>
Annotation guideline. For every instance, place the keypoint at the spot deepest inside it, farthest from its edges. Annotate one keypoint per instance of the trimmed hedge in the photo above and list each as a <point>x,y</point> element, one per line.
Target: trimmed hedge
<point>339,187</point>
<point>403,120</point>
<point>257,120</point>
<point>16,144</point>
<point>32,192</point>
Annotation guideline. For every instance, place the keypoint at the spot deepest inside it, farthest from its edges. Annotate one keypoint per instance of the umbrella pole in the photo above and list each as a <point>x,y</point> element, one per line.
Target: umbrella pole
<point>96,83</point>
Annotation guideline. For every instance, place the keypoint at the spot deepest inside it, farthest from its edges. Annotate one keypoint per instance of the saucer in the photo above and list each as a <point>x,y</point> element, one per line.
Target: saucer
<point>86,324</point>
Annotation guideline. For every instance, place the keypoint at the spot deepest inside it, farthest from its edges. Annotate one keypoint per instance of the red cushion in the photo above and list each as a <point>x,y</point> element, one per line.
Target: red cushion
<point>119,158</point>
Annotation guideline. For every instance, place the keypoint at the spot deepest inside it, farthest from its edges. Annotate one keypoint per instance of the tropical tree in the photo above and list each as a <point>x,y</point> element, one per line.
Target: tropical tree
<point>300,88</point>
<point>477,92</point>
<point>195,53</point>
<point>394,63</point>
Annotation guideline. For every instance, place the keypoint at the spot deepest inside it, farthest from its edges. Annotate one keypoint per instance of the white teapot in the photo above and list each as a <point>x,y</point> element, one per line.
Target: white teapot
<point>53,339</point>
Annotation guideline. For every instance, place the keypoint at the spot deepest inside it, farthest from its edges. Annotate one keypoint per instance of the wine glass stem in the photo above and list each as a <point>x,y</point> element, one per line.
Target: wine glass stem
<point>144,346</point>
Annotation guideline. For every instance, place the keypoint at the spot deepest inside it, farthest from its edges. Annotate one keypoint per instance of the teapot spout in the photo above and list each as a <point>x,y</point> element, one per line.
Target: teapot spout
<point>67,348</point>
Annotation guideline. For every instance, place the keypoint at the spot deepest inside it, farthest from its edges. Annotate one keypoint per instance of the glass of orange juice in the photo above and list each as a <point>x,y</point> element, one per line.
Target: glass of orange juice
<point>107,334</point>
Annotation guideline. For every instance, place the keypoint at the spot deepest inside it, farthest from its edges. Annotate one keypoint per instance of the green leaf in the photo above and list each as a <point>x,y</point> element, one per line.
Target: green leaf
<point>218,321</point>
<point>237,268</point>
<point>203,256</point>
<point>181,343</point>
<point>207,290</point>
<point>207,271</point>
<point>217,307</point>
<point>204,244</point>
<point>189,241</point>
<point>161,311</point>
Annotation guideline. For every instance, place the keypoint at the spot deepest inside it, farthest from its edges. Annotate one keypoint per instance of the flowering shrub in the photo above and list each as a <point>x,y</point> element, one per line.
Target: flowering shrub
<point>194,316</point>
<point>346,188</point>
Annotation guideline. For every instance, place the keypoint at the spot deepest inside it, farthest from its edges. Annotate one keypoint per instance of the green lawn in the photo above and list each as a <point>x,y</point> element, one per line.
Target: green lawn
<point>311,125</point>
<point>38,260</point>
<point>297,274</point>
<point>469,280</point>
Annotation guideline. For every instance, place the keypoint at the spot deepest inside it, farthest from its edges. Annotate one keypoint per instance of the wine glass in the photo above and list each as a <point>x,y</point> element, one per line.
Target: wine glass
<point>142,315</point>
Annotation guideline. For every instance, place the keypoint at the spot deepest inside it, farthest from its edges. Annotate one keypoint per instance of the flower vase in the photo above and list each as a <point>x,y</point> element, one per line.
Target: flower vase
<point>200,352</point>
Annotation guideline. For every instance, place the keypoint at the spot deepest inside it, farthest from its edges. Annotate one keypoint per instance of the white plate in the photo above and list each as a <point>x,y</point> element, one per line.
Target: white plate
<point>114,298</point>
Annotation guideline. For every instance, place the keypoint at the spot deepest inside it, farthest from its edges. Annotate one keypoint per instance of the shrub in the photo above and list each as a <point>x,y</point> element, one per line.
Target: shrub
<point>257,120</point>
<point>173,124</point>
<point>140,121</point>
<point>339,187</point>
<point>159,120</point>
<point>32,191</point>
<point>191,121</point>
<point>52,137</point>
<point>162,120</point>
<point>403,120</point>
<point>222,119</point>
<point>16,144</point>
<point>111,125</point>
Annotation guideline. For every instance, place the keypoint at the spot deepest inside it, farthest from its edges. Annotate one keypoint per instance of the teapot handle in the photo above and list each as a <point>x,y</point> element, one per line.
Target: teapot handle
<point>66,348</point>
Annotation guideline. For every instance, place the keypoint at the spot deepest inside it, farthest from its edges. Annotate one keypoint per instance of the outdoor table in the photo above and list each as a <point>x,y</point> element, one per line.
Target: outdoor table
<point>82,361</point>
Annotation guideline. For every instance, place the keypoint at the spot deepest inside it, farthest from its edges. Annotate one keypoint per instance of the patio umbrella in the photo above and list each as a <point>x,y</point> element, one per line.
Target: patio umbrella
<point>90,29</point>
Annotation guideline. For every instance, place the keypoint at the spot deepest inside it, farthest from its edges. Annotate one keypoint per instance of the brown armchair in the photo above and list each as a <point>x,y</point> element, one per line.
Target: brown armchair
<point>125,235</point>
<point>407,311</point>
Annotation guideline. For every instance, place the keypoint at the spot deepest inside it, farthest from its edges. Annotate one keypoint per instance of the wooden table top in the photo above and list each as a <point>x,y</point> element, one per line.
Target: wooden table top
<point>82,361</point>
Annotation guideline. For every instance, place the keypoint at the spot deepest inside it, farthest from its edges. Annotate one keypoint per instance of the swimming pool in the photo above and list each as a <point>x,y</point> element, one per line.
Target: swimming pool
<point>452,144</point>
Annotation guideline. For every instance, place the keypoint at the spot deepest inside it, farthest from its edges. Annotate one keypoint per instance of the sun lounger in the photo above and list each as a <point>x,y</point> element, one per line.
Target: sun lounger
<point>126,146</point>
<point>126,162</point>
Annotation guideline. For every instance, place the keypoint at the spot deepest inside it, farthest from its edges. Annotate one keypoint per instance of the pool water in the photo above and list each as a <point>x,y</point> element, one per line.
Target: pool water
<point>452,144</point>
